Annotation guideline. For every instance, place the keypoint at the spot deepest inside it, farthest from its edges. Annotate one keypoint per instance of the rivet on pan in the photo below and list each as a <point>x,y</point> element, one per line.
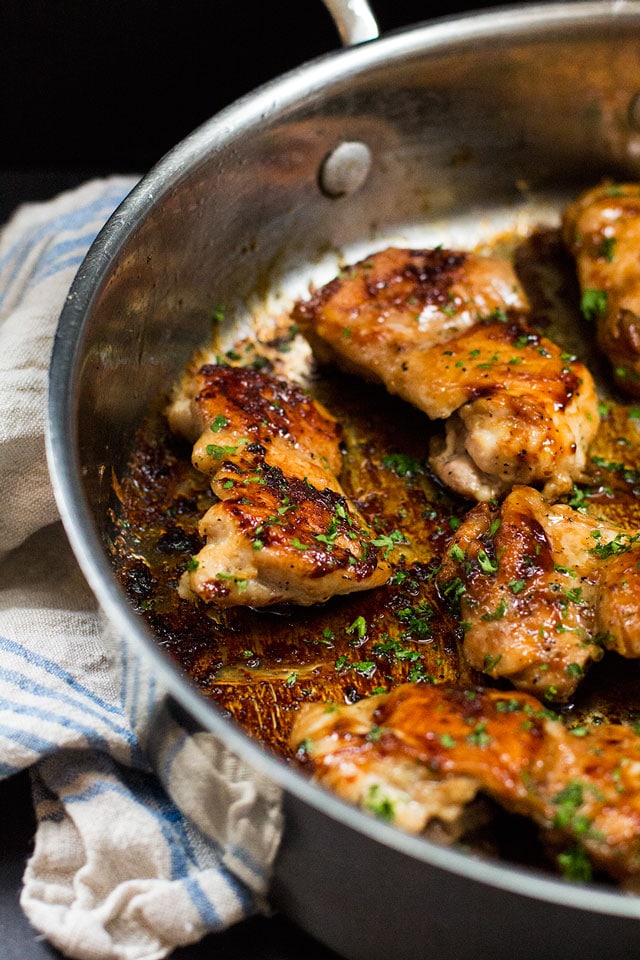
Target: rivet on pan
<point>345,169</point>
<point>633,114</point>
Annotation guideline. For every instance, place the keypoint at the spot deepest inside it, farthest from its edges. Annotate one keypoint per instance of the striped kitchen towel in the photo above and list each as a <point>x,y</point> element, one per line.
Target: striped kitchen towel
<point>142,844</point>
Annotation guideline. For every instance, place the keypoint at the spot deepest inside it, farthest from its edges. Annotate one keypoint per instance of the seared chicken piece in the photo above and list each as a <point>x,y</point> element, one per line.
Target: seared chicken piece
<point>375,314</point>
<point>618,604</point>
<point>541,589</point>
<point>283,530</point>
<point>602,231</point>
<point>422,752</point>
<point>447,332</point>
<point>525,411</point>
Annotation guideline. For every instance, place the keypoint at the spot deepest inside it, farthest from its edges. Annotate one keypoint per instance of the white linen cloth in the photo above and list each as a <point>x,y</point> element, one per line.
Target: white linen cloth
<point>140,847</point>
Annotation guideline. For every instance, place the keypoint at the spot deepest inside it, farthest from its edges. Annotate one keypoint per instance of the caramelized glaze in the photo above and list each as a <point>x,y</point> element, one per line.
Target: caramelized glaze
<point>258,666</point>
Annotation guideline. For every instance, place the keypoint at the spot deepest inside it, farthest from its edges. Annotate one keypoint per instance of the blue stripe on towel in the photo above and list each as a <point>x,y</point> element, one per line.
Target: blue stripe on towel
<point>208,914</point>
<point>178,857</point>
<point>99,209</point>
<point>96,209</point>
<point>27,738</point>
<point>38,689</point>
<point>168,818</point>
<point>170,753</point>
<point>9,769</point>
<point>49,716</point>
<point>243,856</point>
<point>55,670</point>
<point>62,254</point>
<point>241,891</point>
<point>152,694</point>
<point>73,261</point>
<point>142,787</point>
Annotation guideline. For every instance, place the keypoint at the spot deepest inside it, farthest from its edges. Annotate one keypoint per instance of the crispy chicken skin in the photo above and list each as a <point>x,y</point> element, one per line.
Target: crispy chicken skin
<point>601,229</point>
<point>422,752</point>
<point>375,314</point>
<point>283,530</point>
<point>447,332</point>
<point>525,411</point>
<point>541,589</point>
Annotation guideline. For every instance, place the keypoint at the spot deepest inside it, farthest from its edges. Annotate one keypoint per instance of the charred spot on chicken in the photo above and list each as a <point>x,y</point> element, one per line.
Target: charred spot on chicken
<point>449,333</point>
<point>282,530</point>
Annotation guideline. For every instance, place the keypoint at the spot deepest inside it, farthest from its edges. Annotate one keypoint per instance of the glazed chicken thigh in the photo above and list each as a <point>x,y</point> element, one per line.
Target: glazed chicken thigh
<point>541,591</point>
<point>447,332</point>
<point>282,529</point>
<point>602,231</point>
<point>422,752</point>
<point>525,411</point>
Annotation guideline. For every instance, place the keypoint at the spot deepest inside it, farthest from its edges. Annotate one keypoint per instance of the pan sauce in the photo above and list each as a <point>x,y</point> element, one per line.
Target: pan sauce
<point>259,665</point>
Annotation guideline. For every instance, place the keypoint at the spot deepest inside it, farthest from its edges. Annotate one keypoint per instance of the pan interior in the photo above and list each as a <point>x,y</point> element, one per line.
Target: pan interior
<point>480,131</point>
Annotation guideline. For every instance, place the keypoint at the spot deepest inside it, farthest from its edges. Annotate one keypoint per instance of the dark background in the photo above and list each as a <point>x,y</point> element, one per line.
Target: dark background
<point>107,86</point>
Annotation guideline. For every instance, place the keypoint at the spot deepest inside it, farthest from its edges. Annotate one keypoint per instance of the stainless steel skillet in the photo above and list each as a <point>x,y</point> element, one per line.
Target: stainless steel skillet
<point>446,132</point>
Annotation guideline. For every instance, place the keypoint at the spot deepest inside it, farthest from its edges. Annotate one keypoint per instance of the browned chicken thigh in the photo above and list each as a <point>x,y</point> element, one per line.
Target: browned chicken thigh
<point>422,752</point>
<point>541,590</point>
<point>447,332</point>
<point>282,529</point>
<point>525,411</point>
<point>602,231</point>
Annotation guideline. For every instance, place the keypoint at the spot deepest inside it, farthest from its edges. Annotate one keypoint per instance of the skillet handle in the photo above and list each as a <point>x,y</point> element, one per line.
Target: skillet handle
<point>354,20</point>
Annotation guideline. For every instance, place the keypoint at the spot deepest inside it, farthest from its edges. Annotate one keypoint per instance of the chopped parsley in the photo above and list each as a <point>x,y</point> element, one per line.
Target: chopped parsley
<point>457,553</point>
<point>491,662</point>
<point>359,627</point>
<point>486,564</point>
<point>402,464</point>
<point>219,423</point>
<point>574,864</point>
<point>593,303</point>
<point>498,613</point>
<point>416,619</point>
<point>217,452</point>
<point>365,668</point>
<point>621,543</point>
<point>479,736</point>
<point>389,541</point>
<point>241,583</point>
<point>377,802</point>
<point>574,670</point>
<point>606,248</point>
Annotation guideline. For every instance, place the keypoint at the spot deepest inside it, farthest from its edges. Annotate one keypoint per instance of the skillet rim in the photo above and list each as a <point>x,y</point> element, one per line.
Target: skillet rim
<point>62,452</point>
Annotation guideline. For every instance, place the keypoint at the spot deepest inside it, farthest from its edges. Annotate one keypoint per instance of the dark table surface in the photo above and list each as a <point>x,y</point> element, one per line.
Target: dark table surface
<point>260,938</point>
<point>91,89</point>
